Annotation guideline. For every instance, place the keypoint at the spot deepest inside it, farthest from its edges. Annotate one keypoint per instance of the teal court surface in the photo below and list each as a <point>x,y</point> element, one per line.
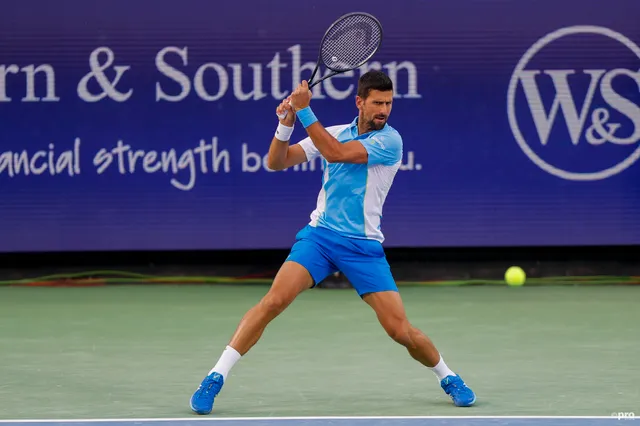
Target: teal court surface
<point>127,355</point>
<point>342,421</point>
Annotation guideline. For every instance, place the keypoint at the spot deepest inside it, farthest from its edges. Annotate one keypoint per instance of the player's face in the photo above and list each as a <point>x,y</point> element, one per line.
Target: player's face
<point>375,108</point>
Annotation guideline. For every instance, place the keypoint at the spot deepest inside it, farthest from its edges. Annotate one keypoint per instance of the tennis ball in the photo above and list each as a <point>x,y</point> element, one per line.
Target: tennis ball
<point>515,276</point>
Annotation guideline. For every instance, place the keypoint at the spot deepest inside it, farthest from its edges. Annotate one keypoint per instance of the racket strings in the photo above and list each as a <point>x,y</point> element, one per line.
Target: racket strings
<point>350,42</point>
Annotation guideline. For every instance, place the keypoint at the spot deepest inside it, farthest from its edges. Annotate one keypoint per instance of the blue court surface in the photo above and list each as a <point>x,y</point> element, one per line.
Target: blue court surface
<point>337,421</point>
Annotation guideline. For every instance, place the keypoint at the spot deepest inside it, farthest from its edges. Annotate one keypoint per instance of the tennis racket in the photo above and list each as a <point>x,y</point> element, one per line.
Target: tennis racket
<point>347,44</point>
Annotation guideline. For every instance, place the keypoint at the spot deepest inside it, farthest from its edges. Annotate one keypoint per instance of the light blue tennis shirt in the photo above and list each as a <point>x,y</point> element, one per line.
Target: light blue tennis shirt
<point>352,196</point>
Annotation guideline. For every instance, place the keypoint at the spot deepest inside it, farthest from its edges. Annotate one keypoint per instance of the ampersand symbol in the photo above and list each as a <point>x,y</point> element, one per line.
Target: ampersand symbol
<point>97,72</point>
<point>599,117</point>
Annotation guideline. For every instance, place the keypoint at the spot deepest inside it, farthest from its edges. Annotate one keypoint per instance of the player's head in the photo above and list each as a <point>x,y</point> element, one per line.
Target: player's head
<point>374,98</point>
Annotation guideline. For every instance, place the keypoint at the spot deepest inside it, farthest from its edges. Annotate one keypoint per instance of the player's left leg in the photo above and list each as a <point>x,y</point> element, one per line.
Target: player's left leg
<point>367,269</point>
<point>391,314</point>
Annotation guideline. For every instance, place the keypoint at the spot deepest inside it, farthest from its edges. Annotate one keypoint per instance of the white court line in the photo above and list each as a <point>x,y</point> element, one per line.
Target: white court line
<point>202,418</point>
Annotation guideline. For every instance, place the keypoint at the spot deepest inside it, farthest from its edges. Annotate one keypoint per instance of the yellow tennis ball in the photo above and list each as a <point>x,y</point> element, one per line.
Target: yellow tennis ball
<point>515,276</point>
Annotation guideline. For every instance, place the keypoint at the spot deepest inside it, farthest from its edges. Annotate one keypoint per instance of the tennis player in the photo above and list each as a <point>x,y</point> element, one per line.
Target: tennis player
<point>360,162</point>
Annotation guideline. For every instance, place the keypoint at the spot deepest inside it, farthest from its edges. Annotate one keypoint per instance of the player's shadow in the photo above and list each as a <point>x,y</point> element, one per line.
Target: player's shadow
<point>416,404</point>
<point>217,412</point>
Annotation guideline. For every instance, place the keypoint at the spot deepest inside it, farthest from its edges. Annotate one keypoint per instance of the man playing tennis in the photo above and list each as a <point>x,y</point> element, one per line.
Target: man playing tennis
<point>360,162</point>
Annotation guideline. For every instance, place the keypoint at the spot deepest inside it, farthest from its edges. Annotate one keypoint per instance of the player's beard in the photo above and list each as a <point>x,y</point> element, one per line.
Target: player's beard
<point>376,122</point>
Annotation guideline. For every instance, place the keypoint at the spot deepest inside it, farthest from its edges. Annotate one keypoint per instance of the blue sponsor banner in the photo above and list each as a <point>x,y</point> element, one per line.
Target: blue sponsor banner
<point>145,125</point>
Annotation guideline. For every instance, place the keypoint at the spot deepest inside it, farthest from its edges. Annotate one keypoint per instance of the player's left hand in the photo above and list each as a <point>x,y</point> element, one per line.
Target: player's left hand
<point>285,108</point>
<point>301,97</point>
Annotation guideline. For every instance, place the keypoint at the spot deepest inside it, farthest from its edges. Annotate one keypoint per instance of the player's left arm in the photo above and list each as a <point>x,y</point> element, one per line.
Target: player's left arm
<point>334,151</point>
<point>378,149</point>
<point>381,148</point>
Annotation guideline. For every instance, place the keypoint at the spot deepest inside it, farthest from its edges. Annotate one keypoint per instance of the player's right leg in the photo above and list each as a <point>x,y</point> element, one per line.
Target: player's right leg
<point>305,266</point>
<point>291,280</point>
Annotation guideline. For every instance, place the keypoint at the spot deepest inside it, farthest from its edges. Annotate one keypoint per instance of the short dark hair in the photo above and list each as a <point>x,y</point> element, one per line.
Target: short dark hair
<point>373,80</point>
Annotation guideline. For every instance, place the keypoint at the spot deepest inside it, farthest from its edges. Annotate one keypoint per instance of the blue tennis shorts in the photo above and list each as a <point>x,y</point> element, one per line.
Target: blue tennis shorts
<point>323,252</point>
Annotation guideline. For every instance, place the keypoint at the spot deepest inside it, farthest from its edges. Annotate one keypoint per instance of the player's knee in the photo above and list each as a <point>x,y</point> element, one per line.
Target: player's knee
<point>274,304</point>
<point>399,331</point>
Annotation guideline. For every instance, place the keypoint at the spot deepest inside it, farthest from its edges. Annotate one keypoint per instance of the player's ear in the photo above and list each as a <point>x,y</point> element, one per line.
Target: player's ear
<point>359,102</point>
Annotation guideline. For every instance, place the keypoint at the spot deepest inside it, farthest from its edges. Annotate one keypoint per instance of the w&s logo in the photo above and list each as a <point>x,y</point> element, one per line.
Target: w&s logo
<point>573,103</point>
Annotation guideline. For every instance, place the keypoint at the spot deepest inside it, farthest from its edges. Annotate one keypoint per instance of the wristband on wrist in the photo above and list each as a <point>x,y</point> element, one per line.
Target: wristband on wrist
<point>283,133</point>
<point>306,116</point>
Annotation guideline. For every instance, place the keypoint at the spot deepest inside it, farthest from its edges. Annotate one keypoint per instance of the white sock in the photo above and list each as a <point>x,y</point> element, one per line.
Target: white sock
<point>227,360</point>
<point>441,370</point>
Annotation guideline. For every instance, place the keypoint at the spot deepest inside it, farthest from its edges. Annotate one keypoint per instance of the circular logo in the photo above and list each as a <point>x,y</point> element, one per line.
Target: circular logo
<point>594,127</point>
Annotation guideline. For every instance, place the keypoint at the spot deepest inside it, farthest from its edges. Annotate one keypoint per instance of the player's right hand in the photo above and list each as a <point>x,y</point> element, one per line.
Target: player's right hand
<point>285,107</point>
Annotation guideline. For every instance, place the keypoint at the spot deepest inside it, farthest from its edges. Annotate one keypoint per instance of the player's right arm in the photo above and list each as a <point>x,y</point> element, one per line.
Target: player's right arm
<point>282,155</point>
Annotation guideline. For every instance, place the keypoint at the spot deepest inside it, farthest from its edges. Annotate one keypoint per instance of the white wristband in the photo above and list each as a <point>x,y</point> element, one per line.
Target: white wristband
<point>283,133</point>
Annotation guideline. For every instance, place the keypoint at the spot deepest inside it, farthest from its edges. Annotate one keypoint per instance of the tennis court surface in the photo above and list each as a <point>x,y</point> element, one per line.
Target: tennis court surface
<point>341,421</point>
<point>134,354</point>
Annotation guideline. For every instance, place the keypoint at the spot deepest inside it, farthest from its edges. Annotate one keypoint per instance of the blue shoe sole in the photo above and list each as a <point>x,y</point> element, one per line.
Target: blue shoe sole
<point>469,404</point>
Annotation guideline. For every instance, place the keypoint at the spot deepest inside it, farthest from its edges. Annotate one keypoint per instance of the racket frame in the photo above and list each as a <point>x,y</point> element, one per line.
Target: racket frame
<point>335,72</point>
